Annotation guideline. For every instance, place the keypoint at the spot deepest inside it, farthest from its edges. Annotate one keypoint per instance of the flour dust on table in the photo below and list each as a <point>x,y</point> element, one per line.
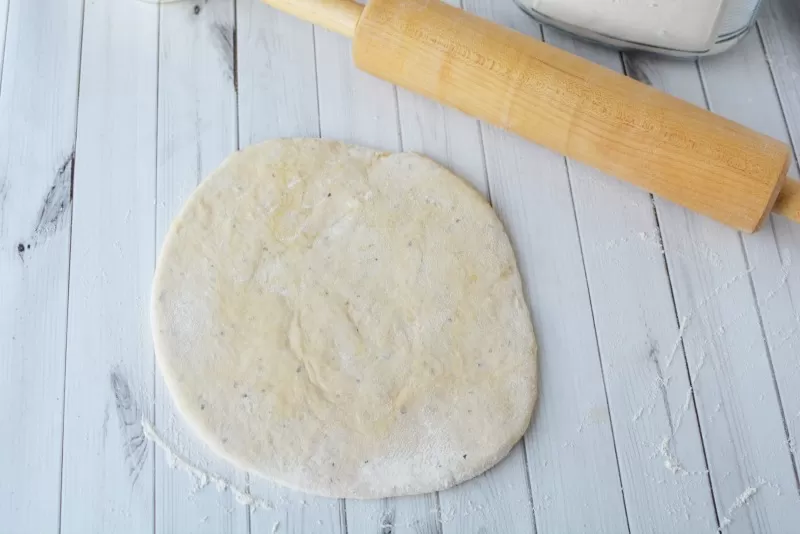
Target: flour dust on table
<point>346,322</point>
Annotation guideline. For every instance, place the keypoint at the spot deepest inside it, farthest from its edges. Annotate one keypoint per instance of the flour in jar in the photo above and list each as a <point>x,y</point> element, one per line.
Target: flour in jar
<point>690,25</point>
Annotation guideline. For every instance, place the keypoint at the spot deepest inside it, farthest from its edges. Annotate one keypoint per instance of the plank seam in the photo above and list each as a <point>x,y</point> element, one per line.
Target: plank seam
<point>5,42</point>
<point>69,260</point>
<point>769,361</point>
<point>397,118</point>
<point>751,282</point>
<point>686,364</point>
<point>596,341</point>
<point>625,60</point>
<point>237,120</point>
<point>155,248</point>
<point>249,510</point>
<point>528,482</point>
<point>719,511</point>
<point>343,514</point>
<point>316,78</point>
<point>707,103</point>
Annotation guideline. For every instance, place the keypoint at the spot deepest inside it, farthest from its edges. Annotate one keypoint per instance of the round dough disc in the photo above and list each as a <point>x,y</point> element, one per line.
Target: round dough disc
<point>346,322</point>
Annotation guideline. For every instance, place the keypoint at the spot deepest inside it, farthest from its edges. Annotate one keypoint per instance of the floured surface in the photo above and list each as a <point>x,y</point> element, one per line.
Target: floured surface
<point>347,322</point>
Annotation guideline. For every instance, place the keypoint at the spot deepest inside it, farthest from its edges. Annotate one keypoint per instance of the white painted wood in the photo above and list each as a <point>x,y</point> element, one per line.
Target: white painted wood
<point>37,135</point>
<point>499,500</point>
<point>354,107</point>
<point>736,401</point>
<point>278,98</point>
<point>4,12</point>
<point>530,191</point>
<point>740,87</point>
<point>108,464</point>
<point>756,104</point>
<point>277,78</point>
<point>651,404</point>
<point>780,305</point>
<point>417,514</point>
<point>197,129</point>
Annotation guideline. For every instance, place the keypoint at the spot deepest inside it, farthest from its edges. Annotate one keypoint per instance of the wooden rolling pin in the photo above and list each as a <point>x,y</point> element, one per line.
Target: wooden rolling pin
<point>594,115</point>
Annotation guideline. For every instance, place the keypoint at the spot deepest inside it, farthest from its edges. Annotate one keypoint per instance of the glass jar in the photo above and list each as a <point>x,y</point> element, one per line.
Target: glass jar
<point>724,27</point>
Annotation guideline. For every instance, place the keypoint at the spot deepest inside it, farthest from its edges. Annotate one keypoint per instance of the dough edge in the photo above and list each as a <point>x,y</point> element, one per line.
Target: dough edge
<point>207,436</point>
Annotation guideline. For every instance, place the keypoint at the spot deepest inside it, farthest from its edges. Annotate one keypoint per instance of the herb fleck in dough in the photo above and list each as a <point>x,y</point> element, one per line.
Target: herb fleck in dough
<point>346,322</point>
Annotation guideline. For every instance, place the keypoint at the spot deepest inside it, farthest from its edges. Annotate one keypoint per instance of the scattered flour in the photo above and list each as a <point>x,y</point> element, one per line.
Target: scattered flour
<point>688,317</point>
<point>676,344</point>
<point>786,267</point>
<point>638,414</point>
<point>683,411</point>
<point>202,477</point>
<point>740,501</point>
<point>670,461</point>
<point>789,335</point>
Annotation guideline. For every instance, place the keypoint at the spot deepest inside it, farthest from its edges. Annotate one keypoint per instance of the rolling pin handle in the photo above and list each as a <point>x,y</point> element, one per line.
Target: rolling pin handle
<point>340,16</point>
<point>788,203</point>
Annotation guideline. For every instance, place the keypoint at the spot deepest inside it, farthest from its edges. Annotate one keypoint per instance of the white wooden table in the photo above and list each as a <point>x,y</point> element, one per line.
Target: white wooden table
<point>669,345</point>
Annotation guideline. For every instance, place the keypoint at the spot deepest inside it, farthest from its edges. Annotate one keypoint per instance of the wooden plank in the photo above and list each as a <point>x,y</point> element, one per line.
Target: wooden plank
<point>278,98</point>
<point>107,481</point>
<point>4,12</point>
<point>197,129</point>
<point>38,95</point>
<point>354,107</point>
<point>418,514</point>
<point>564,465</point>
<point>780,305</point>
<point>499,500</point>
<point>736,402</point>
<point>651,403</point>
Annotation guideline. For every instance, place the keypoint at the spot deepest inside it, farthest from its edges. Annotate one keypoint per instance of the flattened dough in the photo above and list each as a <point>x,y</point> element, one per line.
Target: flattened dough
<point>346,322</point>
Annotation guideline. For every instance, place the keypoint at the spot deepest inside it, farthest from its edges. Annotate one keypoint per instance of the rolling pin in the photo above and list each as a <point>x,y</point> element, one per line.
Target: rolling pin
<point>592,114</point>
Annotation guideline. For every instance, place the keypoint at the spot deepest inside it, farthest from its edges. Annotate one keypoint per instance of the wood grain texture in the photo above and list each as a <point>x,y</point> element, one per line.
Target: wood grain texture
<point>107,481</point>
<point>575,107</point>
<point>37,136</point>
<point>197,129</point>
<point>736,402</point>
<point>651,403</point>
<point>560,460</point>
